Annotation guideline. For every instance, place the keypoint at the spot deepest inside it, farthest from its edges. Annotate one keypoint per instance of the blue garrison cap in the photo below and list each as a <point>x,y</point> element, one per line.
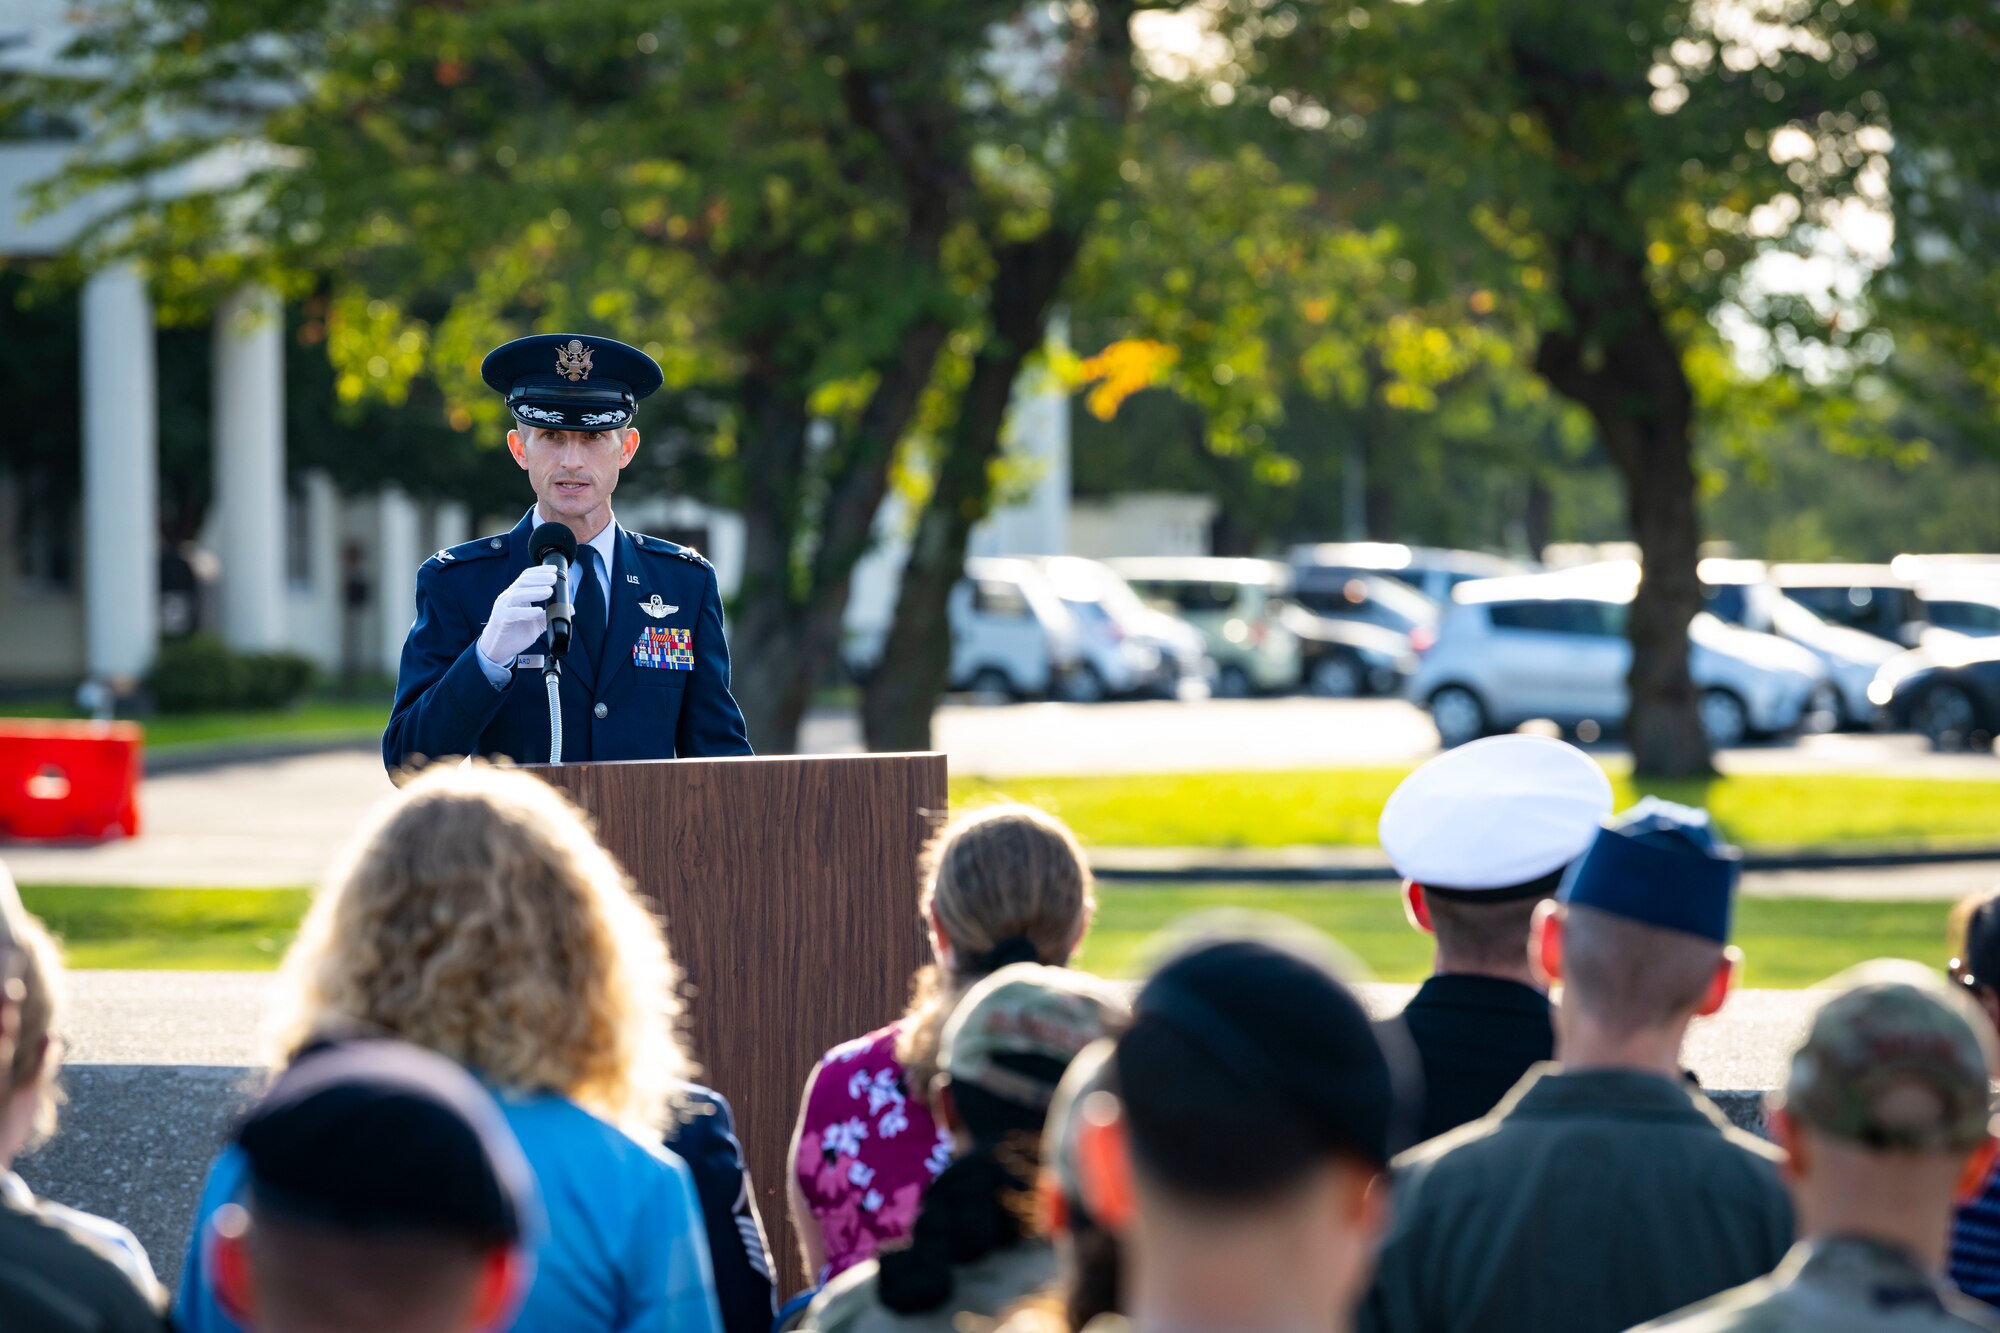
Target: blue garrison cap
<point>570,381</point>
<point>1661,864</point>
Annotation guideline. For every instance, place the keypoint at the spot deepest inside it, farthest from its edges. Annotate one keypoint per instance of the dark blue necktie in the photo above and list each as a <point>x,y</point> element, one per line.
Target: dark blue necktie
<point>589,601</point>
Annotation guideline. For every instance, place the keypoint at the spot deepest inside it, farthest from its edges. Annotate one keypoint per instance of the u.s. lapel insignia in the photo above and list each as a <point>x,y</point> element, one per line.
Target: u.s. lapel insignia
<point>631,578</point>
<point>573,361</point>
<point>656,608</point>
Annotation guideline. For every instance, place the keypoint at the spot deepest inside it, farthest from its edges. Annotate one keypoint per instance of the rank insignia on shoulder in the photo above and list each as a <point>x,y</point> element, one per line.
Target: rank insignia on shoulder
<point>443,554</point>
<point>665,647</point>
<point>656,608</point>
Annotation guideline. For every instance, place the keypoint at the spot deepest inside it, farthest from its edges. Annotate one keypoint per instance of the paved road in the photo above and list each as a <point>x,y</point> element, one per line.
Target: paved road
<point>280,821</point>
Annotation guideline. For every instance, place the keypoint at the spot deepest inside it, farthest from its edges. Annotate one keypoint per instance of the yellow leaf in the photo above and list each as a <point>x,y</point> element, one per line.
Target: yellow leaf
<point>1124,368</point>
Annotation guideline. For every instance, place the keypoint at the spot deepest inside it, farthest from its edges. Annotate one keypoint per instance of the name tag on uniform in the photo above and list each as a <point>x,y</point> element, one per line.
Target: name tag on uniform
<point>531,661</point>
<point>666,647</point>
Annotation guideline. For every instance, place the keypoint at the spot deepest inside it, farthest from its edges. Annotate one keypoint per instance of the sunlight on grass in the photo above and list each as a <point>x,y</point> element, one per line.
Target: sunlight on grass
<point>1787,942</point>
<point>1340,807</point>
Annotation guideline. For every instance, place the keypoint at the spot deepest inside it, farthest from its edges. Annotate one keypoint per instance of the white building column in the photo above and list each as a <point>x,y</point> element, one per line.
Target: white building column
<point>398,552</point>
<point>249,415</point>
<point>121,467</point>
<point>451,524</point>
<point>312,606</point>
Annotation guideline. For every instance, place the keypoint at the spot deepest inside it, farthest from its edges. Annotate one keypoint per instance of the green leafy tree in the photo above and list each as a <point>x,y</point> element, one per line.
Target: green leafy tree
<point>1619,169</point>
<point>792,204</point>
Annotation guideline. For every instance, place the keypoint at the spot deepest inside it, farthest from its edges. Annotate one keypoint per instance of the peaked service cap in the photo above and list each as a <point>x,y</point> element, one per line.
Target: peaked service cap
<point>570,381</point>
<point>1496,814</point>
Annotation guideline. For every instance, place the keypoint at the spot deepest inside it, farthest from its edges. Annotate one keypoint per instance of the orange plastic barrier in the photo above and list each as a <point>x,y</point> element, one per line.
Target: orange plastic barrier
<point>69,780</point>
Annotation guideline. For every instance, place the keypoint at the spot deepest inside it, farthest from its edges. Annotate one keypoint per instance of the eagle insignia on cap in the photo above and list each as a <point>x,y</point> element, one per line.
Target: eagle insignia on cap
<point>573,360</point>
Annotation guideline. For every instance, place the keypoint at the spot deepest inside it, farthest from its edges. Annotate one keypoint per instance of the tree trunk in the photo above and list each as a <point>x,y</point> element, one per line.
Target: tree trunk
<point>784,632</point>
<point>1618,362</point>
<point>898,698</point>
<point>767,639</point>
<point>1538,515</point>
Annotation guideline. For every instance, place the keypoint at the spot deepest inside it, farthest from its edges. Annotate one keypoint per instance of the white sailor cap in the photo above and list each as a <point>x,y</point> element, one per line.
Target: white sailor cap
<point>1498,814</point>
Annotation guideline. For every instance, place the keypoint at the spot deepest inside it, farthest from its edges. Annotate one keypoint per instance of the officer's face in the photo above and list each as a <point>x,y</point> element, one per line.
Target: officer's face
<point>574,471</point>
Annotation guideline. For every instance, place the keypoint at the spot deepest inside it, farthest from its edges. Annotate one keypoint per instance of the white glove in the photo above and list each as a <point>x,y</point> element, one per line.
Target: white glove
<point>518,618</point>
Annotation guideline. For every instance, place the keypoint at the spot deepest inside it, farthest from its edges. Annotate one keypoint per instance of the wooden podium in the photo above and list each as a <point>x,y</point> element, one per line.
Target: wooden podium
<point>789,890</point>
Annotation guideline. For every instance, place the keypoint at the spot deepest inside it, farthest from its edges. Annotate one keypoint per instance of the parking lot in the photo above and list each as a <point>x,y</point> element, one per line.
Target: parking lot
<point>1301,732</point>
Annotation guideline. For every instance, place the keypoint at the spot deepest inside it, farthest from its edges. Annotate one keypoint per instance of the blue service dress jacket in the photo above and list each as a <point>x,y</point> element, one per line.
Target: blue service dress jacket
<point>706,1140</point>
<point>656,688</point>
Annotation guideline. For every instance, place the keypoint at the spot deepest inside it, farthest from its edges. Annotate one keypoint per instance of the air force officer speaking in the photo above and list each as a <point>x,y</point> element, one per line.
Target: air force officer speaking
<point>639,669</point>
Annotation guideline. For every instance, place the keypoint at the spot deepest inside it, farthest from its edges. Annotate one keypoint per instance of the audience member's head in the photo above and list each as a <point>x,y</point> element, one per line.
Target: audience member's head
<point>1886,1111</point>
<point>1241,1159</point>
<point>1004,1052</point>
<point>1004,884</point>
<point>476,916</point>
<point>1482,834</point>
<point>1088,1271</point>
<point>1972,933</point>
<point>1639,938</point>
<point>30,1097</point>
<point>385,1194</point>
<point>12,989</point>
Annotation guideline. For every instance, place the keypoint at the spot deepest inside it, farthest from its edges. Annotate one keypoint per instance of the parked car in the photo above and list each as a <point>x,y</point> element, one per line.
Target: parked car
<point>1553,646</point>
<point>1741,593</point>
<point>1963,606</point>
<point>1238,605</point>
<point>1431,570</point>
<point>1167,654</point>
<point>1871,598</point>
<point>1343,594</point>
<point>1013,638</point>
<point>1341,658</point>
<point>1950,694</point>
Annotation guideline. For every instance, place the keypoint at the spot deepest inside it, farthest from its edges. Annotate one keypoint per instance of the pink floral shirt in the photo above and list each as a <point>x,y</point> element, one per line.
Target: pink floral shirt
<point>868,1149</point>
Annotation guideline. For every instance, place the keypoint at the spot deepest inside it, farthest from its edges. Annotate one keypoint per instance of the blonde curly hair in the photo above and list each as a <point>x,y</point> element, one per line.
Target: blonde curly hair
<point>476,915</point>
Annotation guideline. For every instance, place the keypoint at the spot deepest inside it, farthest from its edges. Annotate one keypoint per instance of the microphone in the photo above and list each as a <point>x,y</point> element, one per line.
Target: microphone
<point>554,545</point>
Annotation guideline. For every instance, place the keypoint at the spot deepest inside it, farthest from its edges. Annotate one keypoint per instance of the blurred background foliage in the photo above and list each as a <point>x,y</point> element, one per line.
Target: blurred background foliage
<point>1459,271</point>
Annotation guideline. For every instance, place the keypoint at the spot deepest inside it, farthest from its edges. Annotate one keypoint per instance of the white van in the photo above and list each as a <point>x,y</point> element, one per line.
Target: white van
<point>1013,638</point>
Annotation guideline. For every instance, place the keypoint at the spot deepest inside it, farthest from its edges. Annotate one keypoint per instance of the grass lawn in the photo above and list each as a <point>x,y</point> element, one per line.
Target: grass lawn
<point>1788,941</point>
<point>1339,807</point>
<point>318,718</point>
<point>231,930</point>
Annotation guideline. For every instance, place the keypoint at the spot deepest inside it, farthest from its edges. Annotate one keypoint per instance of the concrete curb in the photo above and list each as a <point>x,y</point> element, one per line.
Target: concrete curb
<point>1339,865</point>
<point>202,758</point>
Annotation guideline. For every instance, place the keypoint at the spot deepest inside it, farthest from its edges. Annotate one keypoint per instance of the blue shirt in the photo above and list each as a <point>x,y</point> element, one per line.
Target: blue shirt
<point>623,1250</point>
<point>1975,1244</point>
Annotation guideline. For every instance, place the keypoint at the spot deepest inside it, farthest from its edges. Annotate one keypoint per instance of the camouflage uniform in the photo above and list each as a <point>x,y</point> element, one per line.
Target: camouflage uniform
<point>1891,1030</point>
<point>1837,1286</point>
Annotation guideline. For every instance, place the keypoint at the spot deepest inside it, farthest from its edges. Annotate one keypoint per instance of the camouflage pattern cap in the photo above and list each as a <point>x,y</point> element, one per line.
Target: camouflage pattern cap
<point>1896,1061</point>
<point>1015,1033</point>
